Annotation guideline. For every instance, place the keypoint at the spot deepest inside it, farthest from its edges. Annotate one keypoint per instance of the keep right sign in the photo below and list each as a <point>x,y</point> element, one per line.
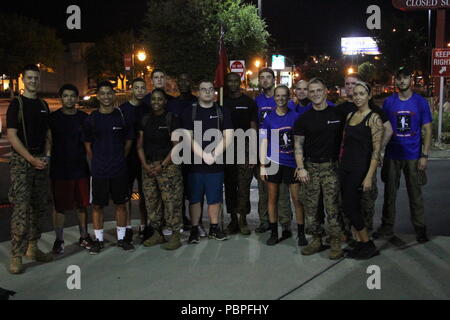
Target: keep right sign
<point>441,62</point>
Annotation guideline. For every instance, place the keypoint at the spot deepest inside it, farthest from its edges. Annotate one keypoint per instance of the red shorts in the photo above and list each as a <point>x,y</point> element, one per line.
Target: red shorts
<point>71,194</point>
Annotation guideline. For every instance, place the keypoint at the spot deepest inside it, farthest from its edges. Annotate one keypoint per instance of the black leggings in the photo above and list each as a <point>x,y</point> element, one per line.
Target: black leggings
<point>351,186</point>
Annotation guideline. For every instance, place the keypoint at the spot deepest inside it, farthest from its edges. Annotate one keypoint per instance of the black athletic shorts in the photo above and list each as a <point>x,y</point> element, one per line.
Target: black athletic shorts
<point>284,175</point>
<point>117,188</point>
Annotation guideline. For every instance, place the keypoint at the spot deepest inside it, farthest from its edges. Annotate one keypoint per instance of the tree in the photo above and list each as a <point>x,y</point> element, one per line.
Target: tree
<point>25,41</point>
<point>105,59</point>
<point>402,43</point>
<point>327,68</point>
<point>367,71</point>
<point>182,35</point>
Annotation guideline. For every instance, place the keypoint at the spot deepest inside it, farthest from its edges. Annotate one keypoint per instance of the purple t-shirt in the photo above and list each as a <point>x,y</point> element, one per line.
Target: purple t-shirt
<point>264,106</point>
<point>407,118</point>
<point>108,134</point>
<point>283,126</point>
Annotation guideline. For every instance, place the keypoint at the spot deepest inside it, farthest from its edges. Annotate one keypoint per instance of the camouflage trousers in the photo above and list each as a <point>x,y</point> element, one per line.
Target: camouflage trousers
<point>164,196</point>
<point>323,178</point>
<point>29,195</point>
<point>238,179</point>
<point>284,202</point>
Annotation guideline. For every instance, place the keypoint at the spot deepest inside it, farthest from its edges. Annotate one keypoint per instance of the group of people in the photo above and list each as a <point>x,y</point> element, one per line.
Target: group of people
<point>322,157</point>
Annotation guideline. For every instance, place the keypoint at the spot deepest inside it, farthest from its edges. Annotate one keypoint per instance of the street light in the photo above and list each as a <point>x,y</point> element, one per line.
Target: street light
<point>141,55</point>
<point>350,70</point>
<point>257,63</point>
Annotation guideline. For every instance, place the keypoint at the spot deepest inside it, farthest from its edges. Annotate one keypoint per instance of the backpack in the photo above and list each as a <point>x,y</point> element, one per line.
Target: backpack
<point>218,113</point>
<point>21,118</point>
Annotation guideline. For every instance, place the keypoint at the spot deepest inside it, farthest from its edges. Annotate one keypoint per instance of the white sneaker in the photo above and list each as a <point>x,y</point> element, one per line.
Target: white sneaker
<point>201,231</point>
<point>167,232</point>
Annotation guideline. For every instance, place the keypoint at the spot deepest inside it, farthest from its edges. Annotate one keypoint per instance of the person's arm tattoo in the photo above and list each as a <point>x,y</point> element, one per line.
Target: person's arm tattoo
<point>377,130</point>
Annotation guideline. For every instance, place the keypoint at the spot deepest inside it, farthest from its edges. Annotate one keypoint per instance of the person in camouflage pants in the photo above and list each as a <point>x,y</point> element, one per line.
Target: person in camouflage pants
<point>323,176</point>
<point>28,193</point>
<point>165,188</point>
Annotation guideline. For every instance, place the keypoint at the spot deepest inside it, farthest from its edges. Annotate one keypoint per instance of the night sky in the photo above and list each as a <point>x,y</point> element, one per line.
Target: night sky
<point>298,27</point>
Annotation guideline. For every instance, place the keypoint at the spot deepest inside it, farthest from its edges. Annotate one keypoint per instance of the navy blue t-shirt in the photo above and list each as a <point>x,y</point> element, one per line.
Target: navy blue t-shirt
<point>283,126</point>
<point>209,119</point>
<point>178,105</point>
<point>68,161</point>
<point>108,134</point>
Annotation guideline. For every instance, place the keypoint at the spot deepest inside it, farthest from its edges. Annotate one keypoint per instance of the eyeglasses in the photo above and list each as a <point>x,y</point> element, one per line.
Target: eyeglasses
<point>205,90</point>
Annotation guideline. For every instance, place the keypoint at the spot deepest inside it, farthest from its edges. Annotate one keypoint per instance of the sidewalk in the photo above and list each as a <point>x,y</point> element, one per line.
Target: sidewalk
<point>236,269</point>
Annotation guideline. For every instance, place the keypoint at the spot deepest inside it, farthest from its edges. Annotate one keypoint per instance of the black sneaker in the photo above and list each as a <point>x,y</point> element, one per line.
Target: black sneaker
<point>421,235</point>
<point>216,233</point>
<point>302,240</point>
<point>146,233</point>
<point>263,227</point>
<point>128,235</point>
<point>86,243</point>
<point>351,250</point>
<point>194,237</point>
<point>273,240</point>
<point>286,234</point>
<point>58,247</point>
<point>125,245</point>
<point>96,247</point>
<point>366,251</point>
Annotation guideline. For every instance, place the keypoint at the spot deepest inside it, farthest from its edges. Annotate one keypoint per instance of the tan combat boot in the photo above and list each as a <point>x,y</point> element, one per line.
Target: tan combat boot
<point>313,247</point>
<point>174,241</point>
<point>336,251</point>
<point>16,266</point>
<point>155,239</point>
<point>34,253</point>
<point>243,225</point>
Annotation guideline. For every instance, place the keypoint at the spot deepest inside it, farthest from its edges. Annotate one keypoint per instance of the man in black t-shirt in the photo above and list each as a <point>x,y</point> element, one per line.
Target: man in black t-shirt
<point>206,174</point>
<point>69,170</point>
<point>238,176</point>
<point>368,198</point>
<point>317,140</point>
<point>28,133</point>
<point>107,138</point>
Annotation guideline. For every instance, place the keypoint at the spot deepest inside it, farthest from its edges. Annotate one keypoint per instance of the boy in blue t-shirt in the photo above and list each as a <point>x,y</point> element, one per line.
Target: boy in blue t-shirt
<point>409,114</point>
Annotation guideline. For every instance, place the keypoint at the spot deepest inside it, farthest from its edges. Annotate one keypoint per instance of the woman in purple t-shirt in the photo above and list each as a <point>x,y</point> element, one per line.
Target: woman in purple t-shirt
<point>277,146</point>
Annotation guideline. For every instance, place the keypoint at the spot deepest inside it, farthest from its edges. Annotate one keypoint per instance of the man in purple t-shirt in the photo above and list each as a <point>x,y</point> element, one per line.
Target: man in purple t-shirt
<point>409,114</point>
<point>265,103</point>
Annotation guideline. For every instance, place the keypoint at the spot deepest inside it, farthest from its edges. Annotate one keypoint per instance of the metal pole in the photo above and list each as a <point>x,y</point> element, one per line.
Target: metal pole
<point>260,8</point>
<point>441,107</point>
<point>429,52</point>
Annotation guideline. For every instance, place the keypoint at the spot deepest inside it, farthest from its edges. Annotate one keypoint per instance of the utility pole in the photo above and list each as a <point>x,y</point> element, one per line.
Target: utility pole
<point>260,8</point>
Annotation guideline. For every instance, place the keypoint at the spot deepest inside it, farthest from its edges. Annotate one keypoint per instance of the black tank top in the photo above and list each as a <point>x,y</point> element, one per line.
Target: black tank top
<point>357,145</point>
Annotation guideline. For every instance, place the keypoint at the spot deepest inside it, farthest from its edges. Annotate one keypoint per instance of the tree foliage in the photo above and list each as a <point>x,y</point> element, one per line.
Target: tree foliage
<point>106,58</point>
<point>25,41</point>
<point>182,35</point>
<point>329,69</point>
<point>367,71</point>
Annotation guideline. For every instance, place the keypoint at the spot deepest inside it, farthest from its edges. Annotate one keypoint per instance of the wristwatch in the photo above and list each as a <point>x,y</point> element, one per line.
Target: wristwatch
<point>163,166</point>
<point>423,155</point>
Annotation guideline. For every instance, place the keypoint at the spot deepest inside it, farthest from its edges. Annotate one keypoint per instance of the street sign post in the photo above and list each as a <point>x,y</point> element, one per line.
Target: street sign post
<point>238,66</point>
<point>127,61</point>
<point>441,68</point>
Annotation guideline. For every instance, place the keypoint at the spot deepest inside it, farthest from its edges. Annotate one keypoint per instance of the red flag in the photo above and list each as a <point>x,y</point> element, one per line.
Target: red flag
<point>222,67</point>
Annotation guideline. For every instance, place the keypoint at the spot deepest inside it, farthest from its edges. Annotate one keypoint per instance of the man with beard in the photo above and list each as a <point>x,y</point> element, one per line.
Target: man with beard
<point>409,114</point>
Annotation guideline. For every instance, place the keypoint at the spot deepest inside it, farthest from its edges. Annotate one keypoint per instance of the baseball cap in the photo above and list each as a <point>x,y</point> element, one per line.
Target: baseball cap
<point>404,71</point>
